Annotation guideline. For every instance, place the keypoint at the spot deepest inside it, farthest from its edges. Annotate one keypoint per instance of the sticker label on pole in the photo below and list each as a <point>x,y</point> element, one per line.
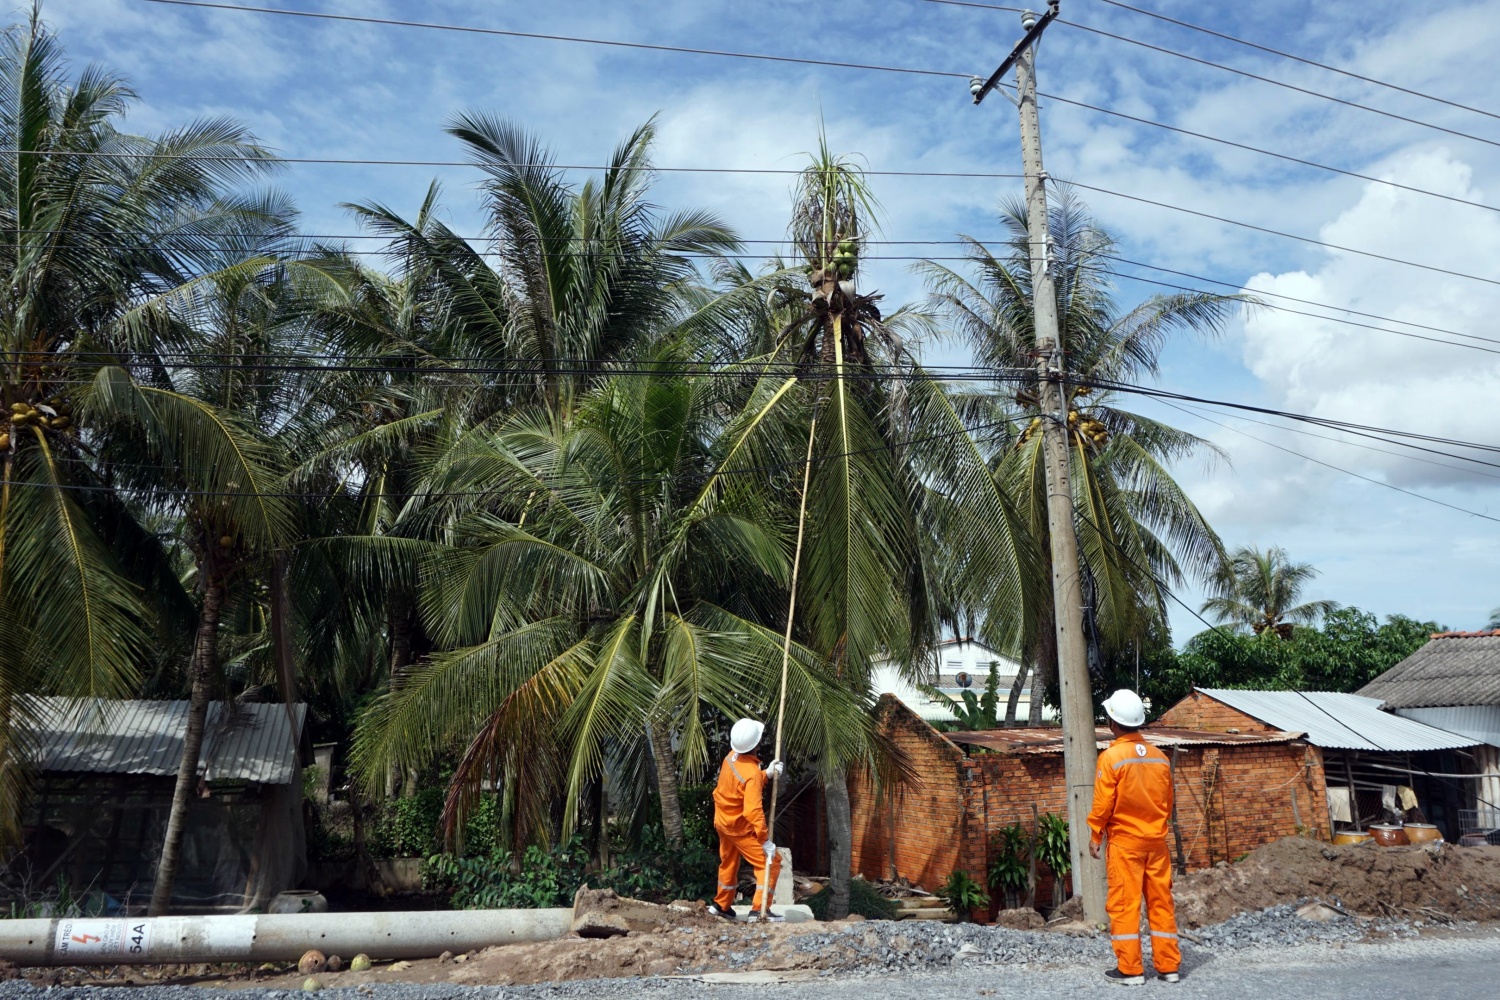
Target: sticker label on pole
<point>92,939</point>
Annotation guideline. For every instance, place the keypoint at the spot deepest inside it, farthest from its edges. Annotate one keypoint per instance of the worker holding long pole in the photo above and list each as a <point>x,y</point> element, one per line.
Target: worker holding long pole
<point>740,820</point>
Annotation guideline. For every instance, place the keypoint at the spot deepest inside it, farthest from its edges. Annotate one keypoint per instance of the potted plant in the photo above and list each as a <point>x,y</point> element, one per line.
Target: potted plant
<point>963,895</point>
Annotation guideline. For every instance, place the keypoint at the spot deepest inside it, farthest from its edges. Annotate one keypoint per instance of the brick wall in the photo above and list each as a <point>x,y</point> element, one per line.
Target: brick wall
<point>1230,800</point>
<point>1248,789</point>
<point>927,815</point>
<point>1199,711</point>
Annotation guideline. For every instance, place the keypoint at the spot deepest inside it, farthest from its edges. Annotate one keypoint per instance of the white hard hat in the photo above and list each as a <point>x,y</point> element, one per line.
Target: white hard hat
<point>1126,708</point>
<point>745,736</point>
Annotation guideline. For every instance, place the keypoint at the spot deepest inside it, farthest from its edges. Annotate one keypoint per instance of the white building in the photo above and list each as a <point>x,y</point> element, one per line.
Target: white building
<point>956,665</point>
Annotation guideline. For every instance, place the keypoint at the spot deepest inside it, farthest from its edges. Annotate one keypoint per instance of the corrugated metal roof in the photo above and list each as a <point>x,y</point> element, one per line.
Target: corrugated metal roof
<point>1454,668</point>
<point>248,742</point>
<point>1049,740</point>
<point>1479,721</point>
<point>1339,721</point>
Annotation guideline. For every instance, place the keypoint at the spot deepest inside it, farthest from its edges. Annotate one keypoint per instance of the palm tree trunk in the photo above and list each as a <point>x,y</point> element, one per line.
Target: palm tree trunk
<point>1043,669</point>
<point>402,626</point>
<point>1015,692</point>
<point>666,781</point>
<point>840,843</point>
<point>205,655</point>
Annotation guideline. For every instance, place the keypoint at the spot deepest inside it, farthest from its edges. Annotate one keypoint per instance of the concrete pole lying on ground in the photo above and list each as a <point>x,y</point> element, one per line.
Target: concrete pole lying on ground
<point>271,937</point>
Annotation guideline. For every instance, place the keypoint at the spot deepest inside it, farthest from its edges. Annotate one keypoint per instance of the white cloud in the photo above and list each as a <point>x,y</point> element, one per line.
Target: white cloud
<point>1348,373</point>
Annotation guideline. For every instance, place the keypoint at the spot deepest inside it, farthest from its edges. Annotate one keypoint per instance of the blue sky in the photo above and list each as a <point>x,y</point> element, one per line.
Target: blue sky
<point>317,88</point>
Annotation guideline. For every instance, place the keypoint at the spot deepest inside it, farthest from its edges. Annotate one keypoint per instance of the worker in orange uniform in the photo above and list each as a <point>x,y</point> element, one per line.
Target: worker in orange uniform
<point>740,819</point>
<point>1132,807</point>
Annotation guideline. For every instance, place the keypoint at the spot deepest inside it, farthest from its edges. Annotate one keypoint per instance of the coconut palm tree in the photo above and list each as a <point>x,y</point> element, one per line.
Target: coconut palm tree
<point>575,281</point>
<point>207,443</point>
<point>593,604</point>
<point>898,535</point>
<point>1138,531</point>
<point>1260,590</point>
<point>94,219</point>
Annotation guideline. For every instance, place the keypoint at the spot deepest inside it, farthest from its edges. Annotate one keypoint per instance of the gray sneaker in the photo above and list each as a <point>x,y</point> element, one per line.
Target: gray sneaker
<point>1169,977</point>
<point>1116,976</point>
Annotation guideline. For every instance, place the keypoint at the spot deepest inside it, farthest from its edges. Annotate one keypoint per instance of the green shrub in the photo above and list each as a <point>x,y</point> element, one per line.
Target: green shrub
<point>551,877</point>
<point>1054,851</point>
<point>864,899</point>
<point>408,827</point>
<point>963,894</point>
<point>482,833</point>
<point>1009,868</point>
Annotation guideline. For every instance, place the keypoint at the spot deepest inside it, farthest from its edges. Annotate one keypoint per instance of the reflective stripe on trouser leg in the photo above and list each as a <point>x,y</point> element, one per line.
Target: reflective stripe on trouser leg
<point>1123,904</point>
<point>1161,912</point>
<point>755,855</point>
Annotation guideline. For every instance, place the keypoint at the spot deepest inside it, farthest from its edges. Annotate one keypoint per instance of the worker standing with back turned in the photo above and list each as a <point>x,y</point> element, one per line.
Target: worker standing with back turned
<point>1132,809</point>
<point>740,819</point>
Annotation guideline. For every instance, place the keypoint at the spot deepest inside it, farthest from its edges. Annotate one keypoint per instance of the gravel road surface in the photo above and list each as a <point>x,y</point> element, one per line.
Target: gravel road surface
<point>1434,968</point>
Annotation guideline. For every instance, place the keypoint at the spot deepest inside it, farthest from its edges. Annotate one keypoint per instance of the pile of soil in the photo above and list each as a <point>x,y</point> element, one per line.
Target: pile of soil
<point>1435,881</point>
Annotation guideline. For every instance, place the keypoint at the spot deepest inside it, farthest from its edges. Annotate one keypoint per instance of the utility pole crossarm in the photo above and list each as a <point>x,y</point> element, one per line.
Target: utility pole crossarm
<point>1032,34</point>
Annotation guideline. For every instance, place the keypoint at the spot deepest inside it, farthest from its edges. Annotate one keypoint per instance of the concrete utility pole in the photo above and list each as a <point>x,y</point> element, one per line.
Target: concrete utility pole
<point>1080,752</point>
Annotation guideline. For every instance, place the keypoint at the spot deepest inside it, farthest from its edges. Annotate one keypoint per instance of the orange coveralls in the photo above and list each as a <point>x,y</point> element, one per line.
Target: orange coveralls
<point>740,819</point>
<point>1133,806</point>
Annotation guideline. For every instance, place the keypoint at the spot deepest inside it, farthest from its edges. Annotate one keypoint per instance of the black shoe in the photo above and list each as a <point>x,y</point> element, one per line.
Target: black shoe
<point>1169,977</point>
<point>727,913</point>
<point>1116,976</point>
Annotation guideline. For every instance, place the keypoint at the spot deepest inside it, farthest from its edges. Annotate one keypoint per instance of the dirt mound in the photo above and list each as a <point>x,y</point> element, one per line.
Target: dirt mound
<point>1440,881</point>
<point>1023,918</point>
<point>604,907</point>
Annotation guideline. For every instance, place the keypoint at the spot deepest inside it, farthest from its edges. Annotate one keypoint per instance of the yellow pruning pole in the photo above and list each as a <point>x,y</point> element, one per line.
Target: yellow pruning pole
<point>786,653</point>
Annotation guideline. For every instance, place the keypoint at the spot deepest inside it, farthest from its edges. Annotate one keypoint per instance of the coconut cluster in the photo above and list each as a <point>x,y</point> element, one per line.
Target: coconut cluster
<point>54,414</point>
<point>1085,428</point>
<point>846,259</point>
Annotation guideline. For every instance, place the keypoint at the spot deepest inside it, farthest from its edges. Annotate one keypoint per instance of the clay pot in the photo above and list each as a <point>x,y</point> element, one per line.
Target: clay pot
<point>1423,833</point>
<point>1351,837</point>
<point>1388,835</point>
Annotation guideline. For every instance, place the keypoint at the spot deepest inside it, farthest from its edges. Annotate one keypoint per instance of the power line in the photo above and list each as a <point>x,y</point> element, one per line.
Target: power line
<point>1287,86</point>
<point>1319,316</point>
<point>1293,298</point>
<point>1329,422</point>
<point>779,369</point>
<point>967,429</point>
<point>1256,76</point>
<point>1368,178</point>
<point>940,73</point>
<point>469,29</point>
<point>1284,235</point>
<point>1301,59</point>
<point>1366,447</point>
<point>1347,472</point>
<point>397,251</point>
<point>355,161</point>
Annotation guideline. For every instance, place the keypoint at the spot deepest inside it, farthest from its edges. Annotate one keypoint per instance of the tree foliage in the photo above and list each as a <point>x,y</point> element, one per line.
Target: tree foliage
<point>1261,591</point>
<point>1351,648</point>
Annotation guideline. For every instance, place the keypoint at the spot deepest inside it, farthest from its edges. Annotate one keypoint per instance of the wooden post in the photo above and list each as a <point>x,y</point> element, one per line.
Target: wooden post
<point>1353,795</point>
<point>1036,829</point>
<point>1176,830</point>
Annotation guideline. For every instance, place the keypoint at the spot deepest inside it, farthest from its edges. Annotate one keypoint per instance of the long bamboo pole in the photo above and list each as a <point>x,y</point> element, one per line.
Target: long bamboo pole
<point>786,650</point>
